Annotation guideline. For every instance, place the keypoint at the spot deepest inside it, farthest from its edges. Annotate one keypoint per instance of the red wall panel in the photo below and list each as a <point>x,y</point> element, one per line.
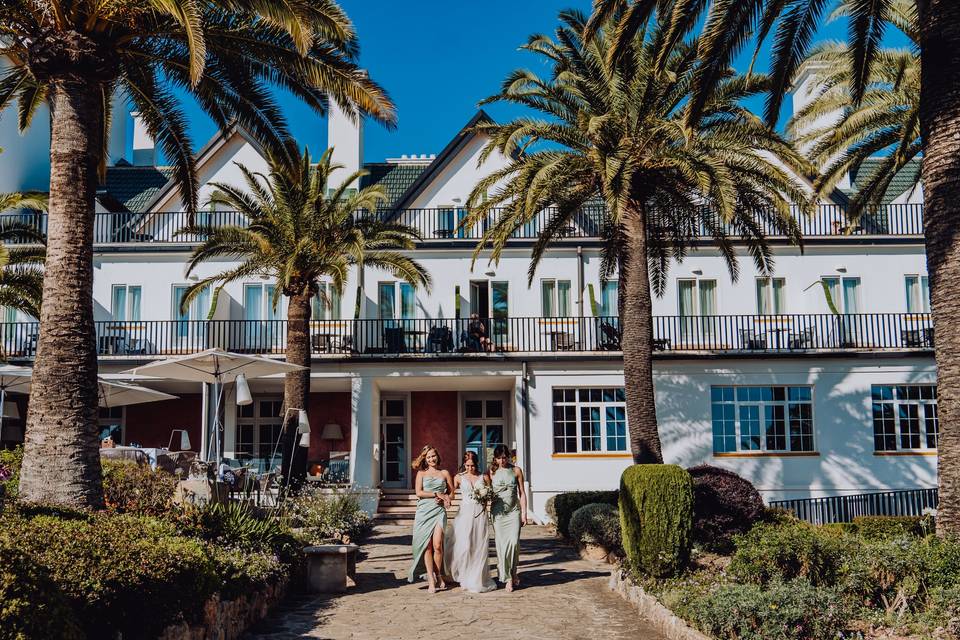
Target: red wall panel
<point>149,424</point>
<point>324,408</point>
<point>434,419</point>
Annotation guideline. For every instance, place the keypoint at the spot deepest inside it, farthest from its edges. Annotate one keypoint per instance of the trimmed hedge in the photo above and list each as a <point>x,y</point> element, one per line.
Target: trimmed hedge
<point>724,505</point>
<point>597,524</point>
<point>656,517</point>
<point>785,551</point>
<point>564,504</point>
<point>890,527</point>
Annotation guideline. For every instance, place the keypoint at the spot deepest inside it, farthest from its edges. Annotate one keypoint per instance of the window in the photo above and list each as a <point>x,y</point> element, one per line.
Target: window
<point>774,419</point>
<point>199,310</point>
<point>589,420</point>
<point>845,293</point>
<point>609,298</point>
<point>770,296</point>
<point>326,304</point>
<point>258,428</point>
<point>258,302</point>
<point>126,302</point>
<point>905,417</point>
<point>555,295</point>
<point>387,300</point>
<point>918,294</point>
<point>449,218</point>
<point>697,297</point>
<point>110,423</point>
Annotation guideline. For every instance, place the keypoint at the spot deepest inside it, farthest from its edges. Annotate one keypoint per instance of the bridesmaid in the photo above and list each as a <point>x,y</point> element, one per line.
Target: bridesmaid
<point>509,512</point>
<point>434,488</point>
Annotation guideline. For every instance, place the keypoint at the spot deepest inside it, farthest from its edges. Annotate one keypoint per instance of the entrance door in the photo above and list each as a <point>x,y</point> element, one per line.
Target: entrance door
<point>490,301</point>
<point>394,460</point>
<point>484,425</point>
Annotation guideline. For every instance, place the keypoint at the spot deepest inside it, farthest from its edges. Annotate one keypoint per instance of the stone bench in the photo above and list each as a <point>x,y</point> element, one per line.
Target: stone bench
<point>329,566</point>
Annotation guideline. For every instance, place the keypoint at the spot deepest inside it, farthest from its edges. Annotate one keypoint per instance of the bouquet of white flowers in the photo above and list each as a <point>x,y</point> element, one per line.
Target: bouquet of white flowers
<point>483,495</point>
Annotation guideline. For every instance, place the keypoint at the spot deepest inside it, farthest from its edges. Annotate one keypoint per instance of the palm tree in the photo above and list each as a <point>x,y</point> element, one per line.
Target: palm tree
<point>728,25</point>
<point>229,56</point>
<point>617,127</point>
<point>21,273</point>
<point>841,133</point>
<point>297,235</point>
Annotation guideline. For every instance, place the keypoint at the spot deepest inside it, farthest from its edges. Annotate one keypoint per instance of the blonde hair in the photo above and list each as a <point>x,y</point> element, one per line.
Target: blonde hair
<point>420,462</point>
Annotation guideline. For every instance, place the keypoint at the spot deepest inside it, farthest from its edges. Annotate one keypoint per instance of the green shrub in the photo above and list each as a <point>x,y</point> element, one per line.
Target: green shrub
<point>31,605</point>
<point>889,527</point>
<point>242,571</point>
<point>329,516</point>
<point>237,525</point>
<point>137,489</point>
<point>10,462</point>
<point>786,551</point>
<point>121,574</point>
<point>941,558</point>
<point>656,517</point>
<point>564,504</point>
<point>724,505</point>
<point>597,524</point>
<point>794,610</point>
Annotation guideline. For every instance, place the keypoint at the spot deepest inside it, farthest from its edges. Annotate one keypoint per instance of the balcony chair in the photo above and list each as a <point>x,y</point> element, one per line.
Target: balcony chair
<point>751,341</point>
<point>609,337</point>
<point>661,344</point>
<point>917,338</point>
<point>803,340</point>
<point>394,340</point>
<point>440,340</point>
<point>564,341</point>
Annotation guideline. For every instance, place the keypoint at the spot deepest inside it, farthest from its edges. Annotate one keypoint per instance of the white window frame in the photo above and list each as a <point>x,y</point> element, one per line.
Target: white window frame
<point>761,405</point>
<point>266,300</point>
<point>765,286</point>
<point>604,310</point>
<point>841,301</point>
<point>556,297</point>
<point>105,422</point>
<point>697,295</point>
<point>398,286</point>
<point>329,310</point>
<point>127,313</point>
<point>895,402</point>
<point>257,421</point>
<point>918,300</point>
<point>578,405</point>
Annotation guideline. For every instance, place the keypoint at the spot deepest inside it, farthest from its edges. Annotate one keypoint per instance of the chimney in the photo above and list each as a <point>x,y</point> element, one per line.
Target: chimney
<point>346,138</point>
<point>121,130</point>
<point>807,88</point>
<point>144,149</point>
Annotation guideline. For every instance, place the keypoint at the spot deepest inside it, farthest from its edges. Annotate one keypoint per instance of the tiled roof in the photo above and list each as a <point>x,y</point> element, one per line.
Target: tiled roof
<point>394,178</point>
<point>133,187</point>
<point>903,181</point>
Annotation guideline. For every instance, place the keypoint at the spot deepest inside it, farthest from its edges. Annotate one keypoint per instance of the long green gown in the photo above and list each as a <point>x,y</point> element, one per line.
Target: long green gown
<point>505,513</point>
<point>429,515</point>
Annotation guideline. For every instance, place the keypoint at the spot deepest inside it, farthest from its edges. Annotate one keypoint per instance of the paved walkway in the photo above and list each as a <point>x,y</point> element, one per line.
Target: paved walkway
<point>561,597</point>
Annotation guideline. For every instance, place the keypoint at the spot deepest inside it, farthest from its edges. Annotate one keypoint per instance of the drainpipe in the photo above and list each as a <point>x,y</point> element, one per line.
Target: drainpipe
<point>525,401</point>
<point>580,279</point>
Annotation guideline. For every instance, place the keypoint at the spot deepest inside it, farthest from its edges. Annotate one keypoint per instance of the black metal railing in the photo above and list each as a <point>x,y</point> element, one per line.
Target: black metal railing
<point>450,336</point>
<point>835,509</point>
<point>444,224</point>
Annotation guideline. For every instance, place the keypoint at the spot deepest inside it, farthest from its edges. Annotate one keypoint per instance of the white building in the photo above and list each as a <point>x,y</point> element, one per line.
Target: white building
<point>758,376</point>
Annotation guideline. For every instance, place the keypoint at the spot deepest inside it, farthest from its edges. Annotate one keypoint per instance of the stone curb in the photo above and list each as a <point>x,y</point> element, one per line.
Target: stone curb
<point>671,626</point>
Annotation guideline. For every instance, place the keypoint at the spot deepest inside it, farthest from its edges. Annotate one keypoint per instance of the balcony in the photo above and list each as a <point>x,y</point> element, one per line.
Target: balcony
<point>441,225</point>
<point>503,337</point>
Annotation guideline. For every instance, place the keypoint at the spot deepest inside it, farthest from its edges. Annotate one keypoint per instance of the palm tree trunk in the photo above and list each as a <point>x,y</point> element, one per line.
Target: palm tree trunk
<point>636,322</point>
<point>940,124</point>
<point>61,462</point>
<point>296,387</point>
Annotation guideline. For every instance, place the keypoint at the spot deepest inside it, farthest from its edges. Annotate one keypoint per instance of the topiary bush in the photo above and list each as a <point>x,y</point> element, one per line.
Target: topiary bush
<point>137,489</point>
<point>656,518</point>
<point>31,605</point>
<point>890,527</point>
<point>724,505</point>
<point>784,551</point>
<point>597,524</point>
<point>564,504</point>
<point>790,610</point>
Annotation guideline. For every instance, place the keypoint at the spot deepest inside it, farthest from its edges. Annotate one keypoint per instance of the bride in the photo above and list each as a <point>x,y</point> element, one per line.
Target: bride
<point>467,541</point>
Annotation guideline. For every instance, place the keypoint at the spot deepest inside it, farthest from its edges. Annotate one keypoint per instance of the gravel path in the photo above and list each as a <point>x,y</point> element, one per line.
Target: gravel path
<point>562,596</point>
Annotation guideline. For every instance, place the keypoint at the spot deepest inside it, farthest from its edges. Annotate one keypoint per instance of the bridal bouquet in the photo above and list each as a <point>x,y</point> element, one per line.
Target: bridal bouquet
<point>483,495</point>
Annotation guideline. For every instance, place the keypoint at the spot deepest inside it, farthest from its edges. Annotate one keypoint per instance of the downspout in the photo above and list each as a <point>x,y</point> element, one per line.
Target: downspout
<point>525,401</point>
<point>580,279</point>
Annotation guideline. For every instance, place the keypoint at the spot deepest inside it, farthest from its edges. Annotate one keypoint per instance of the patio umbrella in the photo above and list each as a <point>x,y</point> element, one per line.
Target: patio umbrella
<point>14,379</point>
<point>216,367</point>
<point>121,394</point>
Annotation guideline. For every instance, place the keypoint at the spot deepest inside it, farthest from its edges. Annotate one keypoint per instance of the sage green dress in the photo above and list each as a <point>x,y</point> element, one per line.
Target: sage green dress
<point>505,513</point>
<point>429,515</point>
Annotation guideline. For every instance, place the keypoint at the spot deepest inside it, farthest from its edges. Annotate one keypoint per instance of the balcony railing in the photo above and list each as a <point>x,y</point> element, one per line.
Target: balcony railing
<point>835,509</point>
<point>443,225</point>
<point>439,337</point>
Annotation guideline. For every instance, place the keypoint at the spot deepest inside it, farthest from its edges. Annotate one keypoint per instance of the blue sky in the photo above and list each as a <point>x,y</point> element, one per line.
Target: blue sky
<point>437,59</point>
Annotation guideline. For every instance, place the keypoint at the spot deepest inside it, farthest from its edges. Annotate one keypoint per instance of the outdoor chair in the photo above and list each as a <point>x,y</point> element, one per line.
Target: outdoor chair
<point>564,341</point>
<point>661,344</point>
<point>609,337</point>
<point>750,340</point>
<point>440,340</point>
<point>802,340</point>
<point>912,338</point>
<point>393,340</point>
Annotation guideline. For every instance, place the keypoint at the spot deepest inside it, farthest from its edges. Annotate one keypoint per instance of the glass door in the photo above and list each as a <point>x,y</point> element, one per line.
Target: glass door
<point>191,330</point>
<point>484,422</point>
<point>394,460</point>
<point>261,326</point>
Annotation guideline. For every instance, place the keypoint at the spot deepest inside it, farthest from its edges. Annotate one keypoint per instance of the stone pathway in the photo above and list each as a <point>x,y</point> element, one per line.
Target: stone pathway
<point>562,597</point>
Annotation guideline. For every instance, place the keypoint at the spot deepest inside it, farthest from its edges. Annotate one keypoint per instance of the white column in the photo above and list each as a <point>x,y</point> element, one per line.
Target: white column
<point>364,430</point>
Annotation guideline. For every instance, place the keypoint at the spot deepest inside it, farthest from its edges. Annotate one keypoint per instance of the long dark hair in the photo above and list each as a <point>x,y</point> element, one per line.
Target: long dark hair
<point>469,455</point>
<point>500,450</point>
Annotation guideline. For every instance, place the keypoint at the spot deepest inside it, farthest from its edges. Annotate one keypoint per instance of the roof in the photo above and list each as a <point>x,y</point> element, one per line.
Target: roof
<point>903,181</point>
<point>394,178</point>
<point>133,187</point>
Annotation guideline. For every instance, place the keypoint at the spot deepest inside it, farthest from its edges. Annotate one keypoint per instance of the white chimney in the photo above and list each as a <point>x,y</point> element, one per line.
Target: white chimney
<point>807,87</point>
<point>144,149</point>
<point>121,131</point>
<point>346,138</point>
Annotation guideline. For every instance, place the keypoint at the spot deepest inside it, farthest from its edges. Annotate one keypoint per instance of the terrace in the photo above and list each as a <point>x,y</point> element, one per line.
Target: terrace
<point>737,335</point>
<point>441,225</point>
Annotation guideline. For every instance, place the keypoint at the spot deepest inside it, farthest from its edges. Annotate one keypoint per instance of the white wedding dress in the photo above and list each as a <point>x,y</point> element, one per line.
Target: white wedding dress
<point>466,545</point>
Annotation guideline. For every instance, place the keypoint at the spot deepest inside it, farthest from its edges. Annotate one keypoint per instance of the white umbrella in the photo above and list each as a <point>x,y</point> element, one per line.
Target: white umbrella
<point>216,367</point>
<point>121,394</point>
